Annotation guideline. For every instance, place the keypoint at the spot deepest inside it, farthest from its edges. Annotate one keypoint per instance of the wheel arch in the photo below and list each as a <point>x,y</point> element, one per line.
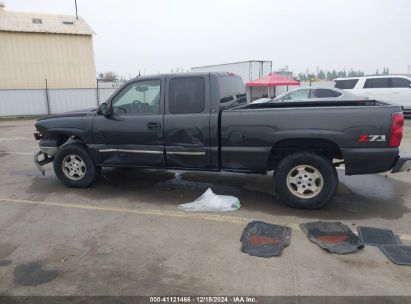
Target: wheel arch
<point>91,171</point>
<point>322,147</point>
<point>64,138</point>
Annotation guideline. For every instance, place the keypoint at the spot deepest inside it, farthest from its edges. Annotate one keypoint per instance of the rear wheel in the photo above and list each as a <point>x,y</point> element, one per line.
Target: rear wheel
<point>74,166</point>
<point>305,180</point>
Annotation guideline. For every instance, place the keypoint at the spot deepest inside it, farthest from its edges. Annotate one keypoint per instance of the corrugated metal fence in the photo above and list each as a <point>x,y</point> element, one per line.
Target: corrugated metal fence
<point>41,101</point>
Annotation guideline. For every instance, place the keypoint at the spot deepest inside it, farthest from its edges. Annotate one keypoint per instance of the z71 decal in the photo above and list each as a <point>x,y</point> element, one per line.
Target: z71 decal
<point>367,138</point>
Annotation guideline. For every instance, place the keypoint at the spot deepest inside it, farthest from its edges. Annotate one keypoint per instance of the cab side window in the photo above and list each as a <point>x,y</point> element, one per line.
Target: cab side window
<point>186,95</point>
<point>142,97</point>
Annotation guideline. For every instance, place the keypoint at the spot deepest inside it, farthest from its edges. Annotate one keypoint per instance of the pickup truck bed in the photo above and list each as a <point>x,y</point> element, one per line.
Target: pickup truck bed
<point>200,121</point>
<point>287,126</point>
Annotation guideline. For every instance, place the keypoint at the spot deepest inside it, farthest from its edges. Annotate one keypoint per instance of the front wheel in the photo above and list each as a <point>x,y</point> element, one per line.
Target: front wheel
<point>305,180</point>
<point>74,166</point>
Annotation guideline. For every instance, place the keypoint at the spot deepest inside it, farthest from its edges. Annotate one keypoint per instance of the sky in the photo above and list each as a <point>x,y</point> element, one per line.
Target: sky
<point>160,35</point>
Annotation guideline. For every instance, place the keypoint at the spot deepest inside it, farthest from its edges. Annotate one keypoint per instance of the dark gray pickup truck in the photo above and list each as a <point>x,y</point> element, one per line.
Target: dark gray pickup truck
<point>201,122</point>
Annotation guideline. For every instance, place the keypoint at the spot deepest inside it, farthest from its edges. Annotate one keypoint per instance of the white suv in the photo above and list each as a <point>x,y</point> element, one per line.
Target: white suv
<point>391,88</point>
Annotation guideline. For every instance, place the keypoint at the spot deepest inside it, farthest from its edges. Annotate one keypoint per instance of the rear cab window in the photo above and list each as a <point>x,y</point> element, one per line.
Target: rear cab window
<point>346,84</point>
<point>231,89</point>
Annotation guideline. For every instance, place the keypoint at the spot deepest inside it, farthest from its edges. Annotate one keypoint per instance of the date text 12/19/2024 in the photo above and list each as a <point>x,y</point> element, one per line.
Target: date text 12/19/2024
<point>203,299</point>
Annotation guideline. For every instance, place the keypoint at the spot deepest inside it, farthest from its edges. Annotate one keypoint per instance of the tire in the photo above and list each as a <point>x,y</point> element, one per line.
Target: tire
<point>74,166</point>
<point>305,180</point>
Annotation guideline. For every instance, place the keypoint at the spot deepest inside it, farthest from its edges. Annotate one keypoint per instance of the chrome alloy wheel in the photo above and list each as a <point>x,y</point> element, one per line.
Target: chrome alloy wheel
<point>305,181</point>
<point>73,167</point>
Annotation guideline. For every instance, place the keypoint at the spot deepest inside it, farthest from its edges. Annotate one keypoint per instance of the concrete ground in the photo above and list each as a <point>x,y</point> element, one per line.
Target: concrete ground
<point>125,235</point>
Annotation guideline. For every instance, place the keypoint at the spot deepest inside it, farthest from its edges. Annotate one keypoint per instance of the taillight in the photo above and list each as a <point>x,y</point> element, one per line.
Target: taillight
<point>397,126</point>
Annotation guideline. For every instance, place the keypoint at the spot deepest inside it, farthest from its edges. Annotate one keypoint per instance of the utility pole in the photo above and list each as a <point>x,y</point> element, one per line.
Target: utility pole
<point>75,3</point>
<point>409,69</point>
<point>97,93</point>
<point>47,98</point>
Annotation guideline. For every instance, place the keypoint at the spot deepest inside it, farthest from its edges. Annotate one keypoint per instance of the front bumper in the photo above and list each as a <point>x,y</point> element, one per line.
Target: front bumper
<point>403,163</point>
<point>41,162</point>
<point>46,154</point>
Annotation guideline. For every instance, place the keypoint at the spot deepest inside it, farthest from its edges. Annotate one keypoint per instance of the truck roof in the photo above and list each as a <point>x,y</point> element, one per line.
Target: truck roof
<point>229,63</point>
<point>189,74</point>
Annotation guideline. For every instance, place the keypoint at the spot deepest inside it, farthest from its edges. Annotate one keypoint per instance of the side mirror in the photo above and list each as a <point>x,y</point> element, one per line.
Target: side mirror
<point>103,109</point>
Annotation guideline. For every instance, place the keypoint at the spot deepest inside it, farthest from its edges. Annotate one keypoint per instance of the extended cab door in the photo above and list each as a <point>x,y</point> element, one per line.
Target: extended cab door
<point>133,134</point>
<point>187,122</point>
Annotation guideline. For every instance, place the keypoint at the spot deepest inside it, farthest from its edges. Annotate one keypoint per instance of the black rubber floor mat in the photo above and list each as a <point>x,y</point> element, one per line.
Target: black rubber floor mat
<point>264,239</point>
<point>398,254</point>
<point>377,236</point>
<point>332,236</point>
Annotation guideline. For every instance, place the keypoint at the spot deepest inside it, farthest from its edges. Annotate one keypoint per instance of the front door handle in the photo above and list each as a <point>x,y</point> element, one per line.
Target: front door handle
<point>154,126</point>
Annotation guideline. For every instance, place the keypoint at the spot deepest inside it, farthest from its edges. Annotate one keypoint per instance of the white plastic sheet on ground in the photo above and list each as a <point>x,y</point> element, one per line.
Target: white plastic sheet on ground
<point>210,201</point>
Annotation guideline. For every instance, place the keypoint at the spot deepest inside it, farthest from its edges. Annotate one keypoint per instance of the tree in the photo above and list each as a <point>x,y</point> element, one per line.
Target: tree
<point>321,75</point>
<point>329,75</point>
<point>311,77</point>
<point>386,71</point>
<point>109,76</point>
<point>302,77</point>
<point>341,74</point>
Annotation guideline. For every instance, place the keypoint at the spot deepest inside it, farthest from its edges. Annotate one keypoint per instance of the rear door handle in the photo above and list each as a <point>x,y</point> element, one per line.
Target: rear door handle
<point>154,126</point>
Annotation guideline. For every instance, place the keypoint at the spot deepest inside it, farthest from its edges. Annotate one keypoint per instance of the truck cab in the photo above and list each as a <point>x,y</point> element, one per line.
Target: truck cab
<point>149,122</point>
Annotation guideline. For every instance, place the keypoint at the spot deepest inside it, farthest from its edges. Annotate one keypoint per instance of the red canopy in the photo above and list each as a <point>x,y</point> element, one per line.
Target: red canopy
<point>272,80</point>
